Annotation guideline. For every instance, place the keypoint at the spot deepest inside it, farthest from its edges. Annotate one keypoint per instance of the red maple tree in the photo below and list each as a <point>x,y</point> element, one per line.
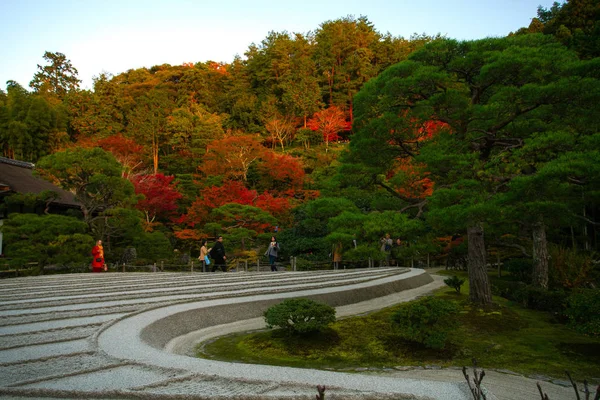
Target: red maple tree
<point>160,196</point>
<point>330,122</point>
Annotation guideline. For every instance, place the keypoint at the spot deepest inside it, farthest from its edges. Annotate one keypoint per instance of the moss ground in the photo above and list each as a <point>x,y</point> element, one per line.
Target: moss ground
<point>504,336</point>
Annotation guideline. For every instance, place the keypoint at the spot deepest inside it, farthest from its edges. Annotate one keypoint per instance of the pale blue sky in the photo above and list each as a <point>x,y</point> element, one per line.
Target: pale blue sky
<point>116,35</point>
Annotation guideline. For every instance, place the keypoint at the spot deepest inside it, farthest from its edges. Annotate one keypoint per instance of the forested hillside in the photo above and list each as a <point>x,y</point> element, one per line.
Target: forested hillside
<point>330,140</point>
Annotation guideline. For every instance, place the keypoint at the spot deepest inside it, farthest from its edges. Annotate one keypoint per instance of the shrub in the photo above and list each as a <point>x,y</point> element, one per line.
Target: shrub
<point>506,289</point>
<point>531,297</point>
<point>583,311</point>
<point>572,268</point>
<point>536,298</point>
<point>427,321</point>
<point>455,283</point>
<point>298,316</point>
<point>520,268</point>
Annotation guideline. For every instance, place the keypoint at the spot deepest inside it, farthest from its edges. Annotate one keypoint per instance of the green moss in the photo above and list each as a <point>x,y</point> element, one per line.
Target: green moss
<point>504,336</point>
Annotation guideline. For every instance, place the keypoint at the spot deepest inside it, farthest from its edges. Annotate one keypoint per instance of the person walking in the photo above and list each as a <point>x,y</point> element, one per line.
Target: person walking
<point>272,252</point>
<point>217,253</point>
<point>204,255</point>
<point>98,264</point>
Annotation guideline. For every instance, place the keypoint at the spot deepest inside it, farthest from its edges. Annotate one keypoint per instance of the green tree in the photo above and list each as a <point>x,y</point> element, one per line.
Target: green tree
<point>93,175</point>
<point>47,239</point>
<point>344,54</point>
<point>58,78</point>
<point>485,97</point>
<point>148,122</point>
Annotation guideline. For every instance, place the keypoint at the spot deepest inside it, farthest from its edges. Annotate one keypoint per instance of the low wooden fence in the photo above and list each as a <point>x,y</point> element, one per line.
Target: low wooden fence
<point>235,265</point>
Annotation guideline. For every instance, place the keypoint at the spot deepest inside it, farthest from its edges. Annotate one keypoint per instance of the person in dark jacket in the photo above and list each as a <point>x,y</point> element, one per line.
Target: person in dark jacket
<point>217,253</point>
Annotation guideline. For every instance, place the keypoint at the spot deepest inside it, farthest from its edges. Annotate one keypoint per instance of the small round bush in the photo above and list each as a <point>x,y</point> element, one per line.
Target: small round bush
<point>298,316</point>
<point>427,321</point>
<point>455,283</point>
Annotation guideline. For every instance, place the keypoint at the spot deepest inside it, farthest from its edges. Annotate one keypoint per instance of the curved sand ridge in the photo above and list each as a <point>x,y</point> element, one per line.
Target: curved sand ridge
<point>130,335</point>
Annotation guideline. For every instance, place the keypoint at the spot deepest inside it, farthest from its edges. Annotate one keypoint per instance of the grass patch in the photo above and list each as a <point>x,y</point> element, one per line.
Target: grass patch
<point>504,336</point>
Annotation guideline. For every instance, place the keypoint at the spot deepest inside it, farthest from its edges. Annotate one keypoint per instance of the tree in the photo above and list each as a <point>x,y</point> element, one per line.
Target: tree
<point>58,78</point>
<point>126,151</point>
<point>231,157</point>
<point>160,196</point>
<point>280,128</point>
<point>93,175</point>
<point>279,172</point>
<point>576,23</point>
<point>345,55</point>
<point>329,122</point>
<point>490,95</point>
<point>148,122</point>
<point>47,239</point>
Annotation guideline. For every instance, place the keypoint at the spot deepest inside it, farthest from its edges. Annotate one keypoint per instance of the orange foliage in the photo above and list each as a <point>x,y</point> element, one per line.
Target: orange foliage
<point>285,171</point>
<point>236,192</point>
<point>231,156</point>
<point>430,129</point>
<point>187,234</point>
<point>417,186</point>
<point>218,67</point>
<point>126,151</point>
<point>329,122</point>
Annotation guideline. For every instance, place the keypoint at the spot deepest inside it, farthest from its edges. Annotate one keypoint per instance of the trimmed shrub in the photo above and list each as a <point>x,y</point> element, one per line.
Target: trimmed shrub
<point>427,321</point>
<point>583,311</point>
<point>455,283</point>
<point>299,316</point>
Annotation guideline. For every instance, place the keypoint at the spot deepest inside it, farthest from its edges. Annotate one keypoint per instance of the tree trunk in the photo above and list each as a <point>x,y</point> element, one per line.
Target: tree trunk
<point>539,276</point>
<point>480,290</point>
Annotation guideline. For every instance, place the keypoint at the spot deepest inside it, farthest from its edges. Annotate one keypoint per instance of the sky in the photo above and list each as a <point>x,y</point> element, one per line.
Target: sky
<point>113,36</point>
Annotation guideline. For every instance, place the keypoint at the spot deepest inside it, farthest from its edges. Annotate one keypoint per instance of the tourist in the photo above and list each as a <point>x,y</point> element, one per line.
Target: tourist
<point>386,248</point>
<point>272,252</point>
<point>204,260</point>
<point>217,253</point>
<point>98,264</point>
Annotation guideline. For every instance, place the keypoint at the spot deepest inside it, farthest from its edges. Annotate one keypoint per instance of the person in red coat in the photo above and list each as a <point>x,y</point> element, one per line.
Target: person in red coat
<point>98,260</point>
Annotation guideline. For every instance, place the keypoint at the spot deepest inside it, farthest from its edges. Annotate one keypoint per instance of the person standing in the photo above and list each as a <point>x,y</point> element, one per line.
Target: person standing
<point>204,255</point>
<point>272,252</point>
<point>98,264</point>
<point>217,253</point>
<point>386,248</point>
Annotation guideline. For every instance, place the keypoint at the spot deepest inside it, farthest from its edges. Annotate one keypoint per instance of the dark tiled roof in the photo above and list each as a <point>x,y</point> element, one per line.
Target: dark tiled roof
<point>17,176</point>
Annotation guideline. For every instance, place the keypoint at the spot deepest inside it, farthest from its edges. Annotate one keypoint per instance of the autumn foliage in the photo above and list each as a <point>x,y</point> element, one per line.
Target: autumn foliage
<point>330,122</point>
<point>160,196</point>
<point>235,192</point>
<point>232,156</point>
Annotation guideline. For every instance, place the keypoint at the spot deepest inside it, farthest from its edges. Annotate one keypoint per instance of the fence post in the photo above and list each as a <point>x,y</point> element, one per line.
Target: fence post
<point>192,268</point>
<point>295,260</point>
<point>245,265</point>
<point>162,266</point>
<point>258,265</point>
<point>123,267</point>
<point>154,268</point>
